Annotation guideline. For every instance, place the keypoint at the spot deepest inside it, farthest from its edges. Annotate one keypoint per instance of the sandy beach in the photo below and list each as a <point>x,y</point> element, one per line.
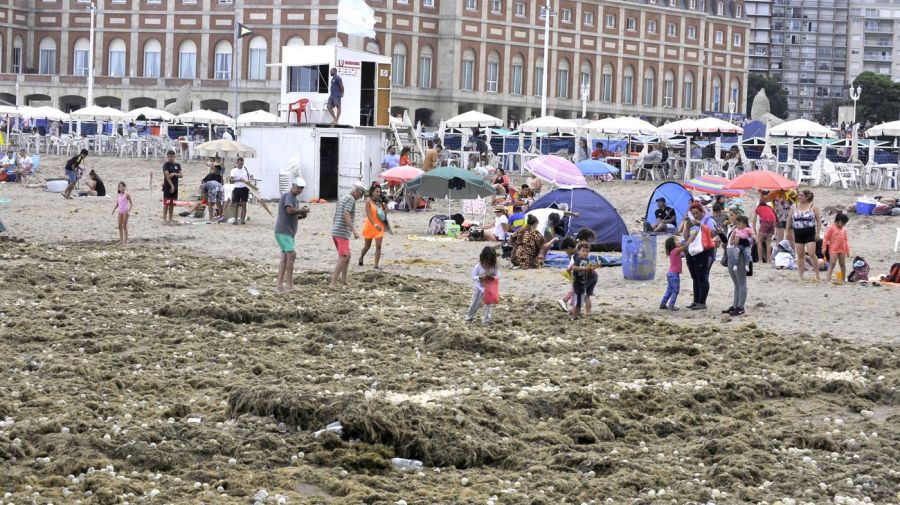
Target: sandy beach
<point>171,371</point>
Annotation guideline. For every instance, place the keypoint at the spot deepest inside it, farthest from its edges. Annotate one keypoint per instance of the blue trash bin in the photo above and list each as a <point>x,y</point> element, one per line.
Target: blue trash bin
<point>639,257</point>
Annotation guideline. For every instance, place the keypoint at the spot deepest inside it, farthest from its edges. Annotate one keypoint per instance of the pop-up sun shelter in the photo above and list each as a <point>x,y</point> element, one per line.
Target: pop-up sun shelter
<point>594,212</point>
<point>676,197</point>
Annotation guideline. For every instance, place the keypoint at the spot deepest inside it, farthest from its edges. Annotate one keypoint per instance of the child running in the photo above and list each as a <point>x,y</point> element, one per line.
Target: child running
<point>584,279</point>
<point>568,246</point>
<point>743,239</point>
<point>123,205</point>
<point>836,245</point>
<point>674,251</point>
<point>485,271</point>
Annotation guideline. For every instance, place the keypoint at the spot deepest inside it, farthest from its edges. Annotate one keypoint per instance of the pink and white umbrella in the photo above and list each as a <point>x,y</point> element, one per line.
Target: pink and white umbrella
<point>402,174</point>
<point>556,170</point>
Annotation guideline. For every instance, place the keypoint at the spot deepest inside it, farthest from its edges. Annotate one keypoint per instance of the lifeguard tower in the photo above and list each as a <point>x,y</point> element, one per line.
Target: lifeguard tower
<point>305,74</point>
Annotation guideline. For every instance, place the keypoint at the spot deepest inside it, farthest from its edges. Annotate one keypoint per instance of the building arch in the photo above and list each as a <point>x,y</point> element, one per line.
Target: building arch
<point>259,56</point>
<point>492,72</point>
<point>295,41</point>
<point>628,85</point>
<point>223,58</point>
<point>716,95</point>
<point>562,78</point>
<point>607,83</point>
<point>398,64</point>
<point>426,67</point>
<point>669,89</point>
<point>116,62</point>
<point>687,92</point>
<point>187,60</point>
<point>81,57</point>
<point>467,75</point>
<point>586,77</point>
<point>152,58</point>
<point>648,93</point>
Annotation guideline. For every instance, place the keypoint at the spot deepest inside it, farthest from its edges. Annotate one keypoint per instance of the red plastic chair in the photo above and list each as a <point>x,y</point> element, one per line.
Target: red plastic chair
<point>298,108</point>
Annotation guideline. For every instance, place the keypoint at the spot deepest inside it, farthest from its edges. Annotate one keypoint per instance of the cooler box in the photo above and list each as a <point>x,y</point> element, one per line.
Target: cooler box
<point>865,206</point>
<point>452,229</point>
<point>639,257</point>
<point>57,186</point>
<point>628,176</point>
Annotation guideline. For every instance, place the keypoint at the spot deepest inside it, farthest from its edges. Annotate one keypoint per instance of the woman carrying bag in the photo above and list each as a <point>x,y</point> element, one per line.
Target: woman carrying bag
<point>375,224</point>
<point>701,252</point>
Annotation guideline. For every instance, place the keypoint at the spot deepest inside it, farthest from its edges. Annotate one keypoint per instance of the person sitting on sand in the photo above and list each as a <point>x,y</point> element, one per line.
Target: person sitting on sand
<point>24,167</point>
<point>501,183</point>
<point>500,232</point>
<point>664,218</point>
<point>529,247</point>
<point>95,185</point>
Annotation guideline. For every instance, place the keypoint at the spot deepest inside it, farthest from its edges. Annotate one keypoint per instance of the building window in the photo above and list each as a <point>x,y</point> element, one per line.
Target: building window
<point>651,26</point>
<point>472,5</point>
<point>562,79</point>
<point>720,8</point>
<point>17,59</point>
<point>567,15</point>
<point>404,2</point>
<point>47,56</point>
<point>151,58</point>
<point>649,87</point>
<point>738,11</point>
<point>688,101</point>
<point>669,90</point>
<point>717,95</point>
<point>672,30</point>
<point>539,78</point>
<point>493,72</point>
<point>223,61</point>
<point>117,58</point>
<point>606,84</point>
<point>515,84</point>
<point>589,18</point>
<point>692,32</point>
<point>425,67</point>
<point>733,101</point>
<point>628,86</point>
<point>187,60</point>
<point>306,80</point>
<point>630,24</point>
<point>673,3</point>
<point>258,56</point>
<point>692,4</point>
<point>737,40</point>
<point>82,54</point>
<point>585,81</point>
<point>468,70</point>
<point>520,9</point>
<point>719,37</point>
<point>398,65</point>
<point>427,3</point>
<point>497,6</point>
<point>610,21</point>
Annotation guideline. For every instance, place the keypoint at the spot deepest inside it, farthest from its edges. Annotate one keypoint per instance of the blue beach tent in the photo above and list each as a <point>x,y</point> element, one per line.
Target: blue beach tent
<point>595,212</point>
<point>676,197</point>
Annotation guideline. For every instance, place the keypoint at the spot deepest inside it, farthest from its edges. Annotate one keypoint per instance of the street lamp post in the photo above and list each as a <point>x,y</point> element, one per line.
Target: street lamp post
<point>731,108</point>
<point>547,14</point>
<point>90,83</point>
<point>585,93</point>
<point>854,95</point>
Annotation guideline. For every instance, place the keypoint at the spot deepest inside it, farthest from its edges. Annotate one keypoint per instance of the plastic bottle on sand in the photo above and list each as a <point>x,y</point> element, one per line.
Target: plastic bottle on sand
<point>406,464</point>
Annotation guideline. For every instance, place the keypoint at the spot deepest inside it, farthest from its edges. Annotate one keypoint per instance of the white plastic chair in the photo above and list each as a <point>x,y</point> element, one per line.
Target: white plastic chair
<point>477,208</point>
<point>897,241</point>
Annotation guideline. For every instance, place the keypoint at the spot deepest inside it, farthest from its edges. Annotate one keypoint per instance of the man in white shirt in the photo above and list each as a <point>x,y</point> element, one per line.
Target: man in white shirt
<point>24,166</point>
<point>390,160</point>
<point>241,193</point>
<point>227,135</point>
<point>544,219</point>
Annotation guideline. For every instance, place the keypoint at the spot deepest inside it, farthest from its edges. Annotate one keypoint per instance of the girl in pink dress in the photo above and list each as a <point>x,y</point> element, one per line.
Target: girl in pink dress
<point>123,206</point>
<point>836,245</point>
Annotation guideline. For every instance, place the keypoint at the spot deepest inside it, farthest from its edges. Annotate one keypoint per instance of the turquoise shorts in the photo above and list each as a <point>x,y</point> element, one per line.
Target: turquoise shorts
<point>285,242</point>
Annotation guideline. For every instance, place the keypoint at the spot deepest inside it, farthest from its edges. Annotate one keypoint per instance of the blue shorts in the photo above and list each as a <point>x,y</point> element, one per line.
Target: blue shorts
<point>72,176</point>
<point>334,101</point>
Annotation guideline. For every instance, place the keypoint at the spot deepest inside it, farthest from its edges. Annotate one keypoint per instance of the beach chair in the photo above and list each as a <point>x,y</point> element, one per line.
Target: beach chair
<point>476,208</point>
<point>298,108</point>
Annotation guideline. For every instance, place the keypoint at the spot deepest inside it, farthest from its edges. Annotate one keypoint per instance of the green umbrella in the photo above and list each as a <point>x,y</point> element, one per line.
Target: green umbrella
<point>452,183</point>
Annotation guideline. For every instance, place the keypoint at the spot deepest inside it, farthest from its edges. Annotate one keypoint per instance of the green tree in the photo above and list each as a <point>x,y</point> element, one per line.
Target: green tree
<point>879,101</point>
<point>778,104</point>
<point>829,112</point>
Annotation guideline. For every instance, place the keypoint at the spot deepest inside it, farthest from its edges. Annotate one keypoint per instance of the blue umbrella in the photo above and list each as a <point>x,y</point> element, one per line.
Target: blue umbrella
<point>596,167</point>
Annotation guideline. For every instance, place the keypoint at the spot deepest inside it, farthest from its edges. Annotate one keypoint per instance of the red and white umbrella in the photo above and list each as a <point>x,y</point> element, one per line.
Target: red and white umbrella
<point>761,179</point>
<point>402,174</point>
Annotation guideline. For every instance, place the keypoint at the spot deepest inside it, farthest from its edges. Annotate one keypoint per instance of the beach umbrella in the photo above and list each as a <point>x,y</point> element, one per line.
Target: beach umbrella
<point>257,116</point>
<point>44,112</point>
<point>713,185</point>
<point>10,111</point>
<point>705,126</point>
<point>401,174</point>
<point>451,182</point>
<point>802,128</point>
<point>674,128</point>
<point>761,179</point>
<point>891,129</point>
<point>549,124</point>
<point>556,170</point>
<point>473,119</point>
<point>225,149</point>
<point>624,125</point>
<point>205,116</point>
<point>149,114</point>
<point>96,113</point>
<point>596,167</point>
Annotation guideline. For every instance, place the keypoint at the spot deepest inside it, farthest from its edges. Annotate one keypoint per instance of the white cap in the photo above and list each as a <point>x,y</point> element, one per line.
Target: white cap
<point>360,186</point>
<point>300,182</point>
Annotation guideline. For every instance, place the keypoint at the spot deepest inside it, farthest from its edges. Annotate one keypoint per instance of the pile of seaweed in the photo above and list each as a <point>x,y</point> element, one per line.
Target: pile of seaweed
<point>137,374</point>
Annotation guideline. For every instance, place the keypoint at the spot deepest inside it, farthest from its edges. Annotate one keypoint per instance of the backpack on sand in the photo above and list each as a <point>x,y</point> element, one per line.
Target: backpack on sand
<point>860,270</point>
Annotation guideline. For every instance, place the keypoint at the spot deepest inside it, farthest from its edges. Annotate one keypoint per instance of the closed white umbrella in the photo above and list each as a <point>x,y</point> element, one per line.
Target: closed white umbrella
<point>473,119</point>
<point>802,128</point>
<point>257,116</point>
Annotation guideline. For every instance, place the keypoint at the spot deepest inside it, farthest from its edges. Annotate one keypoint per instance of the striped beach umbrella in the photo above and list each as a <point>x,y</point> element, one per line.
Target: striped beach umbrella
<point>713,185</point>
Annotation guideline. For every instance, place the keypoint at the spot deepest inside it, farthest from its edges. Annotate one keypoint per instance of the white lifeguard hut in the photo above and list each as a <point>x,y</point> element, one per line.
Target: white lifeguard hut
<point>330,157</point>
<point>306,74</point>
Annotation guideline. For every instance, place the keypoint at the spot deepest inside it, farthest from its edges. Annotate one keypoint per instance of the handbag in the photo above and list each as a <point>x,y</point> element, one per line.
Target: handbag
<point>491,291</point>
<point>696,245</point>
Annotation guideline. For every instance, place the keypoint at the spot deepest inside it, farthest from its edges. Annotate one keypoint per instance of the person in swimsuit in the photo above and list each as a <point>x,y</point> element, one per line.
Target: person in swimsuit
<point>375,224</point>
<point>123,207</point>
<point>806,222</point>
